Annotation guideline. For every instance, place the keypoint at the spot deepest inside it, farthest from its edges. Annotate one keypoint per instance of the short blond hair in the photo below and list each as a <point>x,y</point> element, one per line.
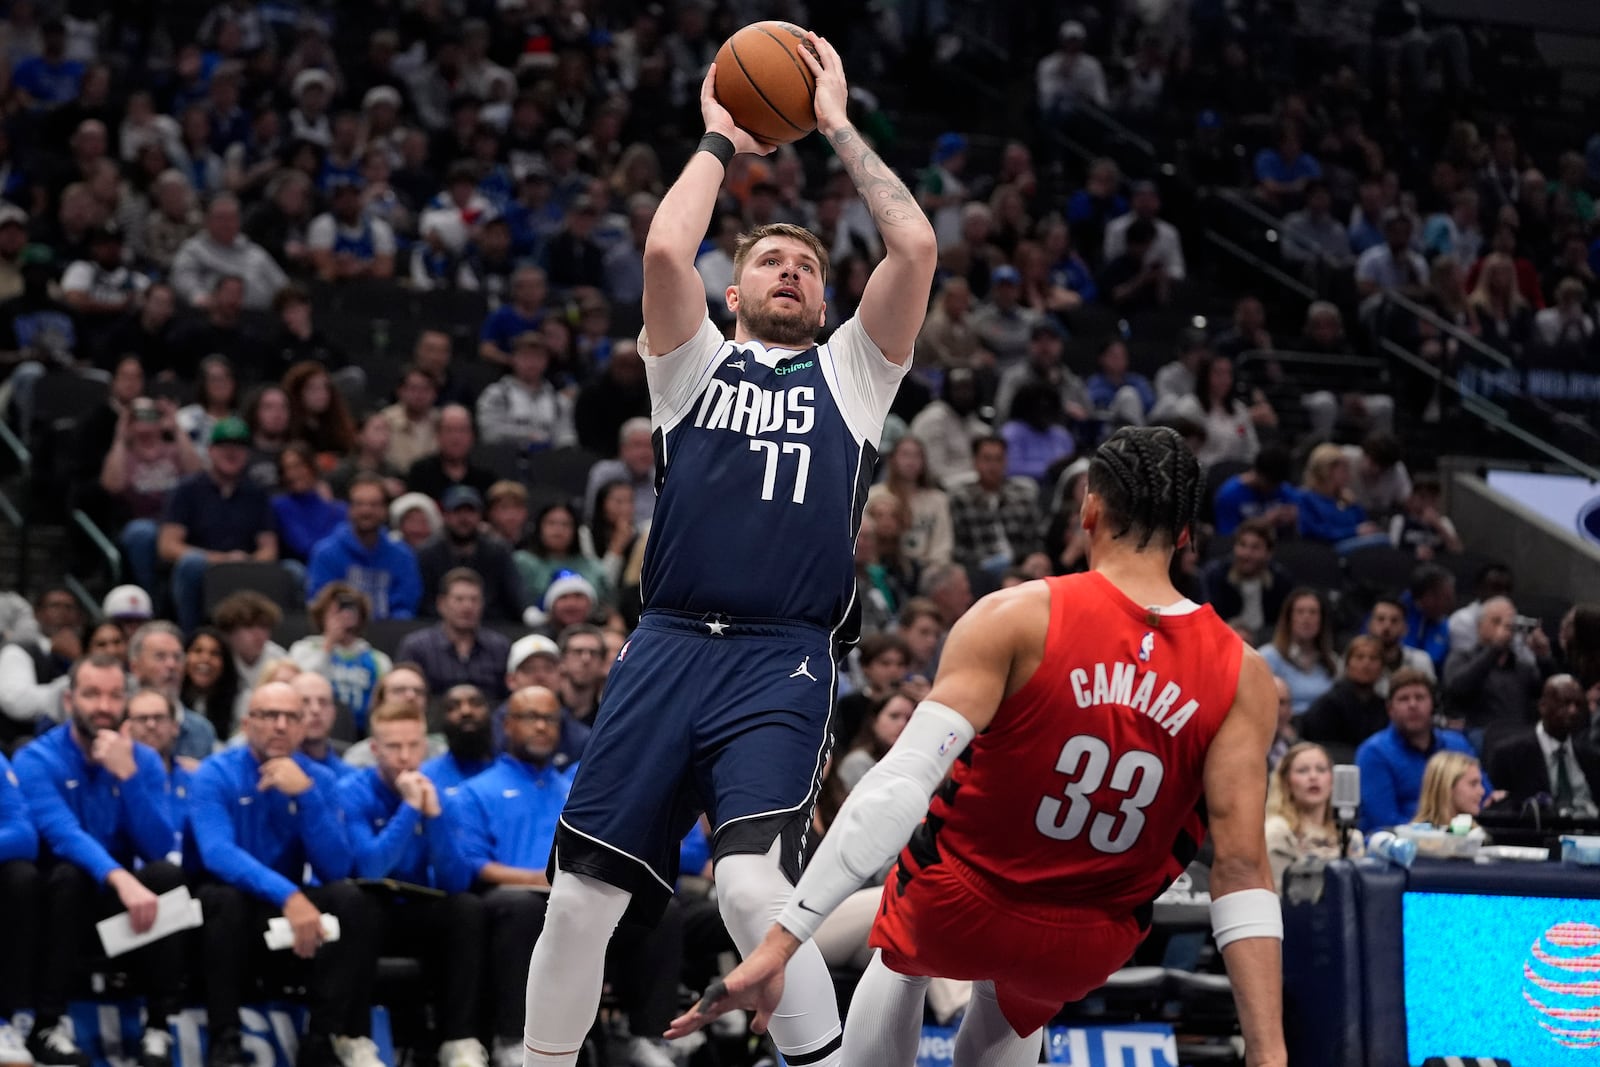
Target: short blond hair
<point>748,241</point>
<point>396,711</point>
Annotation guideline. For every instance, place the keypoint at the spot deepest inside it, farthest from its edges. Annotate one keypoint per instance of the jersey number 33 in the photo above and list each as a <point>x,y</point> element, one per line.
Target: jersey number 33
<point>1115,818</point>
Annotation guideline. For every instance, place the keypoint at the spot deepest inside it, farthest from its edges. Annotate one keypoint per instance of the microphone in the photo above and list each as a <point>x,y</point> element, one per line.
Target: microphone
<point>1346,799</point>
<point>1346,790</point>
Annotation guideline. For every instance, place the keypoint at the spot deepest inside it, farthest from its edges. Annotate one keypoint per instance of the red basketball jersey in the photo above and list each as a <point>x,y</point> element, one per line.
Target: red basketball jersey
<point>1086,789</point>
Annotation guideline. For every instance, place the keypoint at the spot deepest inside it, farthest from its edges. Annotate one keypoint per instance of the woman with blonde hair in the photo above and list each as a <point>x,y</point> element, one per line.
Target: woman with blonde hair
<point>1300,811</point>
<point>1503,313</point>
<point>638,170</point>
<point>1452,784</point>
<point>1327,505</point>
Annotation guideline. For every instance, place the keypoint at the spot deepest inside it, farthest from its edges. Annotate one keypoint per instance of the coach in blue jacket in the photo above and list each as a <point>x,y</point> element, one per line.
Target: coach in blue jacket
<point>398,831</point>
<point>19,903</point>
<point>506,818</point>
<point>99,801</point>
<point>259,813</point>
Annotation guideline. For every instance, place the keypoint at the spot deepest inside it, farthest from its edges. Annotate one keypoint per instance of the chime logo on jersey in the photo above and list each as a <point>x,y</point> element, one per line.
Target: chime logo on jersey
<point>747,408</point>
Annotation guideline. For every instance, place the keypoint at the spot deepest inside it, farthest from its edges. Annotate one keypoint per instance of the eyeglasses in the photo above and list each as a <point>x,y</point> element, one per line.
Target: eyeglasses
<point>263,715</point>
<point>542,719</point>
<point>399,687</point>
<point>146,721</point>
<point>577,650</point>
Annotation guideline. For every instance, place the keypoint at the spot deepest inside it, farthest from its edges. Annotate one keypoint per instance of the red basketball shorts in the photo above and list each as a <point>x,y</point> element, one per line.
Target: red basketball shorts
<point>940,924</point>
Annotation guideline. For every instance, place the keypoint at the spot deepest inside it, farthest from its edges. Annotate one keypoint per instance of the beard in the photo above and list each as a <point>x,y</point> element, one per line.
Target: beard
<point>474,743</point>
<point>779,328</point>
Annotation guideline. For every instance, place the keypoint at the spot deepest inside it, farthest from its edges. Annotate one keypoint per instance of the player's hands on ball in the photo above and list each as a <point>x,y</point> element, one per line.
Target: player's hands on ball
<point>756,984</point>
<point>718,120</point>
<point>833,94</point>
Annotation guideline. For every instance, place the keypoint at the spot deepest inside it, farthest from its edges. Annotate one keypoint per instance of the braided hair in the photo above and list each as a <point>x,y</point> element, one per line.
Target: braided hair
<point>1149,483</point>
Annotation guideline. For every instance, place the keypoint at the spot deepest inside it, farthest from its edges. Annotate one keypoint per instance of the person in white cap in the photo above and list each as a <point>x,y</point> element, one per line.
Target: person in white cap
<point>308,119</point>
<point>129,607</point>
<point>1070,75</point>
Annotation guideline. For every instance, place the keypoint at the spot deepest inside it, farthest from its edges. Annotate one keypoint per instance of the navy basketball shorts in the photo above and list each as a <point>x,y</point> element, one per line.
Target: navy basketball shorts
<point>700,713</point>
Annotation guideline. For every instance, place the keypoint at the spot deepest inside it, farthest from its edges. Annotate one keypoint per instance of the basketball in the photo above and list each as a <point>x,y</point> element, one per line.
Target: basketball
<point>765,84</point>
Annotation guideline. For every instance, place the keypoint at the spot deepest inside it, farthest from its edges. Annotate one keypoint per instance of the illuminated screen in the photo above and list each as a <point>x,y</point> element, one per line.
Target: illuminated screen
<point>1512,977</point>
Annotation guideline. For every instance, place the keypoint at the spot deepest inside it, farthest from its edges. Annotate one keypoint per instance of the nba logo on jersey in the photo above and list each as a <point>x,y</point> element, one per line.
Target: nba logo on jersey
<point>1147,645</point>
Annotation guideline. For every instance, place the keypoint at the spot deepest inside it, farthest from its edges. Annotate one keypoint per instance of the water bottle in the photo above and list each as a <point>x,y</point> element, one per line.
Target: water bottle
<point>1385,846</point>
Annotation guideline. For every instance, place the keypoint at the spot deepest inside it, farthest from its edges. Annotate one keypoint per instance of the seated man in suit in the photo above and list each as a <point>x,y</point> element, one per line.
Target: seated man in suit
<point>1555,758</point>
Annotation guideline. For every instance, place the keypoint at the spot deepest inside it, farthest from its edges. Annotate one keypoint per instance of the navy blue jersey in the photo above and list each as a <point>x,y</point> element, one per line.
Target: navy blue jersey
<point>763,461</point>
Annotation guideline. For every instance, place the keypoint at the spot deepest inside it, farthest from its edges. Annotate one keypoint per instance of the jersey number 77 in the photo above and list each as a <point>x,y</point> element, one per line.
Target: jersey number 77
<point>1118,817</point>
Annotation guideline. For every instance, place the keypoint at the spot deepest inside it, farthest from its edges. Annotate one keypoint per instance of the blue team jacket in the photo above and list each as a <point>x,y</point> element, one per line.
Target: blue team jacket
<point>85,815</point>
<point>449,774</point>
<point>18,839</point>
<point>391,839</point>
<point>261,842</point>
<point>508,813</point>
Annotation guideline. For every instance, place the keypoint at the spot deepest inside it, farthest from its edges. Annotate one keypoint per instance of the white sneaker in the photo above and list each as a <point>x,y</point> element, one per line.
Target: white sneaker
<point>357,1052</point>
<point>13,1050</point>
<point>155,1048</point>
<point>644,1052</point>
<point>463,1052</point>
<point>507,1053</point>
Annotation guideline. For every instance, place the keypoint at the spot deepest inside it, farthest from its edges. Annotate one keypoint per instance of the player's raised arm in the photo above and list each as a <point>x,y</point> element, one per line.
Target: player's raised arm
<point>1246,916</point>
<point>674,296</point>
<point>896,297</point>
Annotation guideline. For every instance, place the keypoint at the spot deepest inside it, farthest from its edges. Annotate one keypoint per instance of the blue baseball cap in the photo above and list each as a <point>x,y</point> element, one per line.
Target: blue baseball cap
<point>1004,274</point>
<point>948,144</point>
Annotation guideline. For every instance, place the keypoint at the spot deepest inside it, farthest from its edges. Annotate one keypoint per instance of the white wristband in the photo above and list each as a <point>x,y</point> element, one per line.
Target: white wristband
<point>1246,913</point>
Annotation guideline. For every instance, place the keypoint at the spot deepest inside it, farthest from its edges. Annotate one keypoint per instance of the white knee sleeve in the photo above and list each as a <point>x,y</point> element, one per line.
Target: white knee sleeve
<point>751,890</point>
<point>567,970</point>
<point>986,1039</point>
<point>885,1023</point>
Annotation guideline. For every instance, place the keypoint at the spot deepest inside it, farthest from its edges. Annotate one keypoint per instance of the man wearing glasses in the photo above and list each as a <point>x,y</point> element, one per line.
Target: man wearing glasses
<point>507,818</point>
<point>583,670</point>
<point>260,813</point>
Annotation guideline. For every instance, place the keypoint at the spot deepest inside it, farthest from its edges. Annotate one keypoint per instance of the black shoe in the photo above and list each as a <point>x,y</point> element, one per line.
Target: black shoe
<point>53,1046</point>
<point>155,1048</point>
<point>226,1049</point>
<point>316,1050</point>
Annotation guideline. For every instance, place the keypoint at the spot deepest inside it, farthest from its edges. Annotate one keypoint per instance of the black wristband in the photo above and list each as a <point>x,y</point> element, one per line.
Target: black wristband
<point>719,146</point>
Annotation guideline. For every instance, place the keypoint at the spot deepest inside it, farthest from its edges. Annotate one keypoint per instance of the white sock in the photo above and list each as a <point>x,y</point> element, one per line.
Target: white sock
<point>567,970</point>
<point>884,1026</point>
<point>751,891</point>
<point>986,1039</point>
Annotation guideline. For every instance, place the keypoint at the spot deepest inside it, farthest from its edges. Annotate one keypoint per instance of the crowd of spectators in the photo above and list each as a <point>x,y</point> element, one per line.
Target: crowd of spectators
<point>441,541</point>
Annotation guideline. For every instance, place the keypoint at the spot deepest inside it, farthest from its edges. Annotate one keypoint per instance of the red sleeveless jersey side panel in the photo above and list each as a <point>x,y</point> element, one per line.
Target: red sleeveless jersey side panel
<point>1086,790</point>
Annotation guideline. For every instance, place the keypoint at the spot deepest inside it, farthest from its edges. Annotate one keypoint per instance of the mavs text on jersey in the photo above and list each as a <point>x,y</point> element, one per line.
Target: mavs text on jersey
<point>723,699</point>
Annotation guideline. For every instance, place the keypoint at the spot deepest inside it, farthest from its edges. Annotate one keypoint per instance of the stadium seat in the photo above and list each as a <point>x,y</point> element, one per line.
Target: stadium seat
<point>294,625</point>
<point>1311,563</point>
<point>385,635</point>
<point>268,579</point>
<point>566,469</point>
<point>1547,609</point>
<point>507,459</point>
<point>1379,569</point>
<point>1465,566</point>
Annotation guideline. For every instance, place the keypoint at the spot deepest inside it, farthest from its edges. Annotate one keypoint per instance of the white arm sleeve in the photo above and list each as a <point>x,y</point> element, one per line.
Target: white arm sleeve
<point>1244,914</point>
<point>879,816</point>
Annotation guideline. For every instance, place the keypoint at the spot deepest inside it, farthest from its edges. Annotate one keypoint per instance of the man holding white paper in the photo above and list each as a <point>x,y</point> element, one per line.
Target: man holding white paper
<point>259,813</point>
<point>98,799</point>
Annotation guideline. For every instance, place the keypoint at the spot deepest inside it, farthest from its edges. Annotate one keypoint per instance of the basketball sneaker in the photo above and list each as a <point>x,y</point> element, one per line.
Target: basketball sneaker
<point>55,1046</point>
<point>13,1049</point>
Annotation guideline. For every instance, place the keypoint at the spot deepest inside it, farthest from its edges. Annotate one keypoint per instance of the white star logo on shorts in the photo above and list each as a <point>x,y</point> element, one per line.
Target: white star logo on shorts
<point>716,626</point>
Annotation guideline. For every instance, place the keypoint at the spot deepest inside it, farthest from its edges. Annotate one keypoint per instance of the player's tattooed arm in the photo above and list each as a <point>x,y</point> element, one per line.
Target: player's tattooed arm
<point>891,203</point>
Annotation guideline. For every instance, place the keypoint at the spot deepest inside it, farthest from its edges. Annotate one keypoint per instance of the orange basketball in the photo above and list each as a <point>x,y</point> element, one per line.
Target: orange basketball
<point>765,84</point>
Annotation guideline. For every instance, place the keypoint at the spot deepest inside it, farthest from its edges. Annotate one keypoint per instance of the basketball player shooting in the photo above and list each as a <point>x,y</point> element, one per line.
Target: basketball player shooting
<point>1092,739</point>
<point>765,447</point>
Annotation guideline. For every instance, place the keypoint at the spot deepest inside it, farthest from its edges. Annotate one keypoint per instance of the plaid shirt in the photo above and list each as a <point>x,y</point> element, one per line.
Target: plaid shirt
<point>484,667</point>
<point>992,524</point>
